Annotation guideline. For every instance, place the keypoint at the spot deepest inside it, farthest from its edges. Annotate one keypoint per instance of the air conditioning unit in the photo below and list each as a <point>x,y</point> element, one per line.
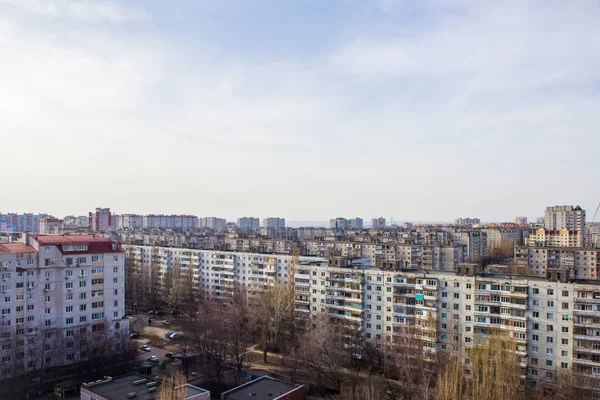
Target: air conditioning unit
<point>66,277</point>
<point>69,290</point>
<point>47,278</point>
<point>46,290</point>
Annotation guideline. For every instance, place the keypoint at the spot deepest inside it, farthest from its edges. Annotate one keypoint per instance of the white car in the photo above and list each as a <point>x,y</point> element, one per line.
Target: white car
<point>153,358</point>
<point>145,347</point>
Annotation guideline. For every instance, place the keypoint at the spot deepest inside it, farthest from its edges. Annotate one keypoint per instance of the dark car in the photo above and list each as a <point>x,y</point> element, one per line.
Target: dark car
<point>170,355</point>
<point>134,335</point>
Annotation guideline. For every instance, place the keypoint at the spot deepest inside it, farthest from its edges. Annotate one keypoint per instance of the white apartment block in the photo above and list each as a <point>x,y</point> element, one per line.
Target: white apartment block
<point>55,288</point>
<point>180,222</point>
<point>467,221</point>
<point>129,222</point>
<point>217,273</point>
<point>555,326</point>
<point>214,223</point>
<point>575,262</point>
<point>564,217</point>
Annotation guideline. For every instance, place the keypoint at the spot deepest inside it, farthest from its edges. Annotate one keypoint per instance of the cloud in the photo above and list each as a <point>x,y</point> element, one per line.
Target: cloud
<point>87,10</point>
<point>424,111</point>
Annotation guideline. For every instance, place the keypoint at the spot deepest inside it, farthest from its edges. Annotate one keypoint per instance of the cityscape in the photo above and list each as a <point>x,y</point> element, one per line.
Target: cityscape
<point>299,200</point>
<point>447,288</point>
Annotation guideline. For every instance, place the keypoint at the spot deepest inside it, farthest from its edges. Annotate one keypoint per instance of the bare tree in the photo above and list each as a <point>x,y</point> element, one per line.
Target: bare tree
<point>273,312</point>
<point>323,353</point>
<point>172,388</point>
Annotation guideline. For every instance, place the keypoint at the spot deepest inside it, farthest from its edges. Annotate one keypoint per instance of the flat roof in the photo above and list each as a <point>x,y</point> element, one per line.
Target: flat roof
<point>263,388</point>
<point>70,239</point>
<point>191,391</point>
<point>118,388</point>
<point>15,247</point>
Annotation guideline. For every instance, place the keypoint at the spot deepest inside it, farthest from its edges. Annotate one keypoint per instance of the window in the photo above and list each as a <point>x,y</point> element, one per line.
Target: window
<point>565,293</point>
<point>565,342</point>
<point>550,292</point>
<point>550,304</point>
<point>69,321</point>
<point>549,339</point>
<point>82,284</point>
<point>565,329</point>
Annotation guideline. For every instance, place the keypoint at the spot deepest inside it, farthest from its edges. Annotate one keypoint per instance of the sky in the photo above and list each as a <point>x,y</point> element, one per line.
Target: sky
<point>306,109</point>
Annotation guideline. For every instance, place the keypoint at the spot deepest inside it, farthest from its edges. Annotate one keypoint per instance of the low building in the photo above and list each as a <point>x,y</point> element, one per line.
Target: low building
<point>266,388</point>
<point>133,386</point>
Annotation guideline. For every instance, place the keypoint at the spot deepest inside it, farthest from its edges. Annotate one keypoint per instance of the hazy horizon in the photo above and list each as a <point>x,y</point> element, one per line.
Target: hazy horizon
<point>309,110</point>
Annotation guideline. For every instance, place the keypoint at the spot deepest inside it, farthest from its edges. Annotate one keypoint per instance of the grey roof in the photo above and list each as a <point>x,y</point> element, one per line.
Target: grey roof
<point>263,388</point>
<point>118,388</point>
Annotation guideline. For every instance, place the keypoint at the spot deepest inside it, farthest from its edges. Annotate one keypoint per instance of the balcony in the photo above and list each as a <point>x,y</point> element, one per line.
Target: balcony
<point>588,363</point>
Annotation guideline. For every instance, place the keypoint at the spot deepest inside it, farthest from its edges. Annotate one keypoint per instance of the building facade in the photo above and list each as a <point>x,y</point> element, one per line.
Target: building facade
<point>274,222</point>
<point>102,221</point>
<point>56,290</point>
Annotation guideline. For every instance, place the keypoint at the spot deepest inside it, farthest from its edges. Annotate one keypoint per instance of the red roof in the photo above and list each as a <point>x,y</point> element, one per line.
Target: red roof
<point>96,244</point>
<point>15,247</point>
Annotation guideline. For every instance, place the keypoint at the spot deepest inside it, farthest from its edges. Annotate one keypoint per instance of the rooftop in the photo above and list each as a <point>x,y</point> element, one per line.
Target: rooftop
<point>15,247</point>
<point>68,239</point>
<point>120,387</point>
<point>263,388</point>
<point>192,391</point>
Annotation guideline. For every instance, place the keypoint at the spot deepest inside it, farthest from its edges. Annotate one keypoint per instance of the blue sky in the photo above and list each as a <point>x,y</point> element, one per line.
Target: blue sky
<point>306,109</point>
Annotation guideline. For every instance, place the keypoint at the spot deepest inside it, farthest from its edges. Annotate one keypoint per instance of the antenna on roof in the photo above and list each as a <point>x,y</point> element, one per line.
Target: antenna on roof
<point>596,213</point>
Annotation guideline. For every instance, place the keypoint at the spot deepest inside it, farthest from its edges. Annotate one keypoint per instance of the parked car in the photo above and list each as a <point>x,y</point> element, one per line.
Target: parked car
<point>170,355</point>
<point>175,335</point>
<point>153,358</point>
<point>134,335</point>
<point>145,347</point>
<point>166,322</point>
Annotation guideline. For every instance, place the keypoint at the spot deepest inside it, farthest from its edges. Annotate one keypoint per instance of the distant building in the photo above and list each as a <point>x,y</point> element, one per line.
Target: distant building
<point>407,225</point>
<point>356,223</point>
<point>49,225</point>
<point>340,223</point>
<point>266,388</point>
<point>274,222</point>
<point>467,221</point>
<point>27,222</point>
<point>521,220</point>
<point>559,238</point>
<point>248,224</point>
<point>214,223</point>
<point>564,217</point>
<point>129,221</point>
<point>102,221</point>
<point>378,223</point>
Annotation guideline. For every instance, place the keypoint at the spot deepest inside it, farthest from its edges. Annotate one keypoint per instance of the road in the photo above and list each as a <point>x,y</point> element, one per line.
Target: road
<point>156,351</point>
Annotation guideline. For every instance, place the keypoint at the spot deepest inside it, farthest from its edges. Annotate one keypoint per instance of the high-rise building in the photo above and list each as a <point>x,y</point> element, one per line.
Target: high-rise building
<point>57,290</point>
<point>378,223</point>
<point>248,224</point>
<point>49,225</point>
<point>340,223</point>
<point>102,221</point>
<point>214,223</point>
<point>274,222</point>
<point>564,217</point>
<point>356,223</point>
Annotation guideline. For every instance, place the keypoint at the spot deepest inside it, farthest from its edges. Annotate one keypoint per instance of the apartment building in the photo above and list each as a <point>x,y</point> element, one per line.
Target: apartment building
<point>214,223</point>
<point>217,273</point>
<point>340,223</point>
<point>27,222</point>
<point>274,222</point>
<point>559,238</point>
<point>476,242</point>
<point>521,220</point>
<point>554,325</point>
<point>160,221</point>
<point>564,217</point>
<point>102,221</point>
<point>130,222</point>
<point>53,289</point>
<point>467,221</point>
<point>574,262</point>
<point>48,225</point>
<point>378,223</point>
<point>248,224</point>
